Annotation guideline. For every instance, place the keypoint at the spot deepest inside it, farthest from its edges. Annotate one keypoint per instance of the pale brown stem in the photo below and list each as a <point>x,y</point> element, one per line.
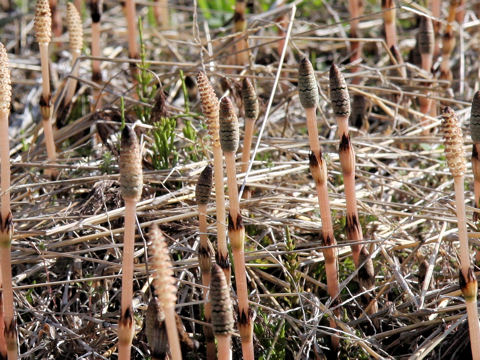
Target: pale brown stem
<point>8,342</point>
<point>471,303</point>
<point>3,344</point>
<point>96,52</point>
<point>5,259</point>
<point>462,224</point>
<point>224,347</point>
<point>329,254</point>
<point>160,10</point>
<point>172,333</point>
<point>47,124</point>
<point>206,276</point>
<point>391,33</point>
<point>242,292</point>
<point>72,83</point>
<point>282,25</point>
<point>236,233</point>
<point>324,204</point>
<point>131,28</point>
<point>427,62</point>
<point>232,185</point>
<point>312,129</point>
<point>202,227</point>
<point>354,14</point>
<point>45,71</point>
<point>356,10</point>
<point>240,278</point>
<point>128,248</point>
<point>241,50</point>
<point>96,70</point>
<point>473,327</point>
<point>127,275</point>
<point>347,158</point>
<point>5,165</point>
<point>247,144</point>
<point>241,44</point>
<point>49,141</point>
<point>425,103</point>
<point>220,206</point>
<point>436,13</point>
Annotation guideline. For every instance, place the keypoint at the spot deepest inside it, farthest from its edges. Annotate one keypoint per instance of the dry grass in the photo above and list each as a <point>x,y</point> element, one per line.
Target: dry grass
<point>66,252</point>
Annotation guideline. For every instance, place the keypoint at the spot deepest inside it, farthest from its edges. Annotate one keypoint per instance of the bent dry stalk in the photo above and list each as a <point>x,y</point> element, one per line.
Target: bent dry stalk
<point>131,183</point>
<point>454,153</point>
<point>43,33</point>
<point>340,100</point>
<point>308,92</point>
<point>6,224</point>
<point>251,107</point>
<point>210,108</point>
<point>222,312</point>
<point>229,139</point>
<point>164,284</point>
<point>202,195</point>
